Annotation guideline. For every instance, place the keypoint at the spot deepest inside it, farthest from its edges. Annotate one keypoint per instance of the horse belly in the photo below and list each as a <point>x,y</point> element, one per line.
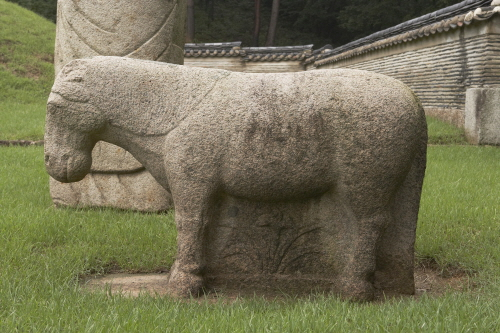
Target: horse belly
<point>278,171</point>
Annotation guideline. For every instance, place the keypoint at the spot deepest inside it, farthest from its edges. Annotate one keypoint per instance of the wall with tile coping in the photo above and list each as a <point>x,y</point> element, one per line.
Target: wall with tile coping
<point>439,67</point>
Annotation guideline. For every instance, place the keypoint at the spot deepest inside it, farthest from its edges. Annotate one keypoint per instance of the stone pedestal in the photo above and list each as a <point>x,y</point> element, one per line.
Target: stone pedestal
<point>144,29</point>
<point>482,116</point>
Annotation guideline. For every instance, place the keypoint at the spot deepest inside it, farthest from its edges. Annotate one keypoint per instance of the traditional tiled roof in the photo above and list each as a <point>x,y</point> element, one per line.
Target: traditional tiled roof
<point>323,50</point>
<point>406,32</point>
<point>234,49</point>
<point>280,53</point>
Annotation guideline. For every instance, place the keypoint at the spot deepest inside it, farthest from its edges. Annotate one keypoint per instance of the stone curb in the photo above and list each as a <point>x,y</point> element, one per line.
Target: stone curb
<point>23,143</point>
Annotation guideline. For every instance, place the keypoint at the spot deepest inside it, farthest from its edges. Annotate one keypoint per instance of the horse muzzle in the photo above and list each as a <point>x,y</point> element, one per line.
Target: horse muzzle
<point>67,169</point>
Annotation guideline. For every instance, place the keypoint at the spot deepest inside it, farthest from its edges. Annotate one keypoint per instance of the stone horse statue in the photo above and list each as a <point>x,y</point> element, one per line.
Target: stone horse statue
<point>204,134</point>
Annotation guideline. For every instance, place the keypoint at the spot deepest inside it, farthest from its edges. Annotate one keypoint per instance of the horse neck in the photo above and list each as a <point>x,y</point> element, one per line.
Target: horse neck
<point>148,150</point>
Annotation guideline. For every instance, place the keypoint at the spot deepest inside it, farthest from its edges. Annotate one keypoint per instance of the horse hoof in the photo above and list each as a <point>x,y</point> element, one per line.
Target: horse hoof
<point>184,285</point>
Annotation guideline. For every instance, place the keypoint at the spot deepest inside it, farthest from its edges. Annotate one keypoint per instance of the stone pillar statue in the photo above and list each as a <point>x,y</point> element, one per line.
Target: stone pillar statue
<point>144,29</point>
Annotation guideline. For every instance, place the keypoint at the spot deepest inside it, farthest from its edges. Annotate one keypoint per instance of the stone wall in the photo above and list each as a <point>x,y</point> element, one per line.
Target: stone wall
<point>439,62</point>
<point>237,65</point>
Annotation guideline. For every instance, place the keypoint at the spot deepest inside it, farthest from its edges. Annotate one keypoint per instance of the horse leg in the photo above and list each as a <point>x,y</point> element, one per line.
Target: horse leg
<point>395,258</point>
<point>368,203</point>
<point>191,218</point>
<point>358,273</point>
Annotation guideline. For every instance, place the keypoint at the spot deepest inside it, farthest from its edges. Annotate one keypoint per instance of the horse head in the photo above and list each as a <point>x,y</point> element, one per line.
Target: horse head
<point>72,125</point>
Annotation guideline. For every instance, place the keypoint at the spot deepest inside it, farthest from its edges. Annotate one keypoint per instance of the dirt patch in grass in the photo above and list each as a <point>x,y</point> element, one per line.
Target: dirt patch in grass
<point>3,59</point>
<point>433,280</point>
<point>30,72</point>
<point>23,143</point>
<point>45,57</point>
<point>429,280</point>
<point>9,42</point>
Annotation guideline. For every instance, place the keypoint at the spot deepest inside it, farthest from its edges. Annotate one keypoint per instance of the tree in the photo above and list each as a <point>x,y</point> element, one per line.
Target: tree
<point>190,21</point>
<point>256,30</point>
<point>210,7</point>
<point>316,18</point>
<point>45,8</point>
<point>273,23</point>
<point>321,22</point>
<point>361,18</point>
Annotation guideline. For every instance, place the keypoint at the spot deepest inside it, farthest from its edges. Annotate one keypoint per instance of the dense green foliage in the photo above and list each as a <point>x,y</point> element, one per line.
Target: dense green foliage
<point>318,22</point>
<point>300,21</point>
<point>360,17</point>
<point>45,8</point>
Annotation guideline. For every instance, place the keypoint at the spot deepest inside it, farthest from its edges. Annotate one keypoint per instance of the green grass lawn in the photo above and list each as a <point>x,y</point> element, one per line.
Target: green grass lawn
<point>441,133</point>
<point>460,218</point>
<point>45,251</point>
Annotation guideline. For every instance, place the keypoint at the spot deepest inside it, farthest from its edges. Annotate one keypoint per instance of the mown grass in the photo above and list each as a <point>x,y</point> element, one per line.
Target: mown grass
<point>26,71</point>
<point>459,222</point>
<point>441,133</point>
<point>46,250</point>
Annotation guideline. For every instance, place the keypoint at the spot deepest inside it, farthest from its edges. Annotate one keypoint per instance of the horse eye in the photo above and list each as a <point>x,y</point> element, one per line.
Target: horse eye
<point>53,107</point>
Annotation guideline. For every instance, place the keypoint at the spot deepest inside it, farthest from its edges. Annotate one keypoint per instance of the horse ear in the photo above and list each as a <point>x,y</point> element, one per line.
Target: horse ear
<point>69,82</point>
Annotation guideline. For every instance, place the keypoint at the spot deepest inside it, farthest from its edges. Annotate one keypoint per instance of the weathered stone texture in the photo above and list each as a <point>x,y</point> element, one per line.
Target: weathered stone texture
<point>145,29</point>
<point>237,65</point>
<point>482,116</point>
<point>308,179</point>
<point>107,190</point>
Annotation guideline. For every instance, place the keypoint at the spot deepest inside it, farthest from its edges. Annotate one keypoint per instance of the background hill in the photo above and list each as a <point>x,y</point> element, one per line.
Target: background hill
<point>26,71</point>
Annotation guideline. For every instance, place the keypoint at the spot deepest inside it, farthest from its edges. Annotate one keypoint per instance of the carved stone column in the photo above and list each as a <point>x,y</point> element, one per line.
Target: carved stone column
<point>144,29</point>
